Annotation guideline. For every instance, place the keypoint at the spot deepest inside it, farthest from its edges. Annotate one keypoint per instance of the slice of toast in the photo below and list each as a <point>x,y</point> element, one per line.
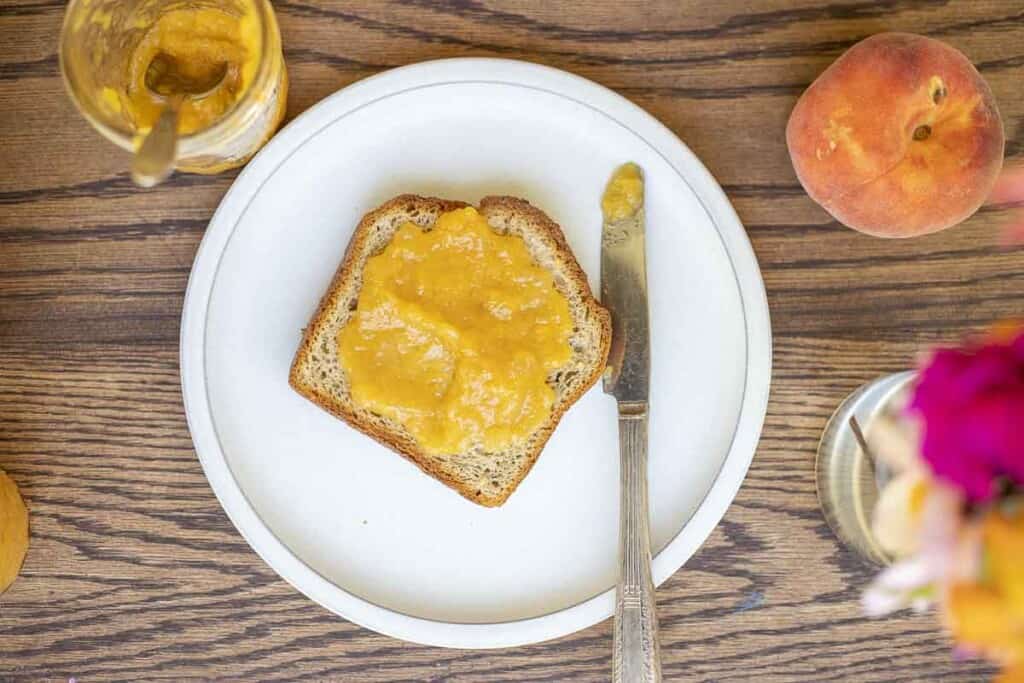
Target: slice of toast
<point>487,478</point>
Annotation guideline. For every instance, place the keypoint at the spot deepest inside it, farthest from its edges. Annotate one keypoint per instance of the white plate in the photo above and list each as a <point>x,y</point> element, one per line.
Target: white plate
<point>354,526</point>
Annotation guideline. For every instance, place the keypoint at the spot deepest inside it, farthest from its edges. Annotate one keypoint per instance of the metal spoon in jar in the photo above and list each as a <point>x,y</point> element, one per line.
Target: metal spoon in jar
<point>154,160</point>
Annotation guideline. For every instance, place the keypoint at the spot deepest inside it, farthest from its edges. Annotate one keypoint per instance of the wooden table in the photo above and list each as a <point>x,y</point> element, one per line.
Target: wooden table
<point>134,571</point>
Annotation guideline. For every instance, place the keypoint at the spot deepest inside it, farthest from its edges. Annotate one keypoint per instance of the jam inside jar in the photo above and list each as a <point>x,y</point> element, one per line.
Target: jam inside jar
<point>107,46</point>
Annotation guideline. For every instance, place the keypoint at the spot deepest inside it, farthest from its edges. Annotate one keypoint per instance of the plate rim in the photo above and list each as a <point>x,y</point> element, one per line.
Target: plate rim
<point>192,352</point>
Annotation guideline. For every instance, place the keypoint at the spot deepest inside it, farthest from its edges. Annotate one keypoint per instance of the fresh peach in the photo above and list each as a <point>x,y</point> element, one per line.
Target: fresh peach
<point>899,137</point>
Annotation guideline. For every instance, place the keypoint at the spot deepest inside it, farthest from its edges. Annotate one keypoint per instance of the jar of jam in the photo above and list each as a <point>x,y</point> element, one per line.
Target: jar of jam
<point>107,46</point>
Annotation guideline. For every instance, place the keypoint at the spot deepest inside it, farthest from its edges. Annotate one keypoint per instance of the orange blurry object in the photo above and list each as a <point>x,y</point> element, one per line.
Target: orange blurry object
<point>13,531</point>
<point>987,616</point>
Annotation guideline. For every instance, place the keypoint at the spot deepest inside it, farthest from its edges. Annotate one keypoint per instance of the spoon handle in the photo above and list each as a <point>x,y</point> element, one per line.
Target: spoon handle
<point>154,160</point>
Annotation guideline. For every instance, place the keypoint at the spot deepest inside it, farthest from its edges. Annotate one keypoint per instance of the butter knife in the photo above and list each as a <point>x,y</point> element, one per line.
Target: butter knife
<point>624,293</point>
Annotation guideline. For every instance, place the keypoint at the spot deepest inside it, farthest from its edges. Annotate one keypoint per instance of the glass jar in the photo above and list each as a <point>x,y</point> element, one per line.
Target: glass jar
<point>848,477</point>
<point>103,49</point>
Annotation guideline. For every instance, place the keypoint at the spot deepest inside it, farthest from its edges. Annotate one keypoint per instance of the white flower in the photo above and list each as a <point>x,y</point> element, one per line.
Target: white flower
<point>945,549</point>
<point>895,522</point>
<point>907,583</point>
<point>894,440</point>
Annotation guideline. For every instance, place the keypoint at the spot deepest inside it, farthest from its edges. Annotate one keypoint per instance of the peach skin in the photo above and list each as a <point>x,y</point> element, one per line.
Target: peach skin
<point>899,137</point>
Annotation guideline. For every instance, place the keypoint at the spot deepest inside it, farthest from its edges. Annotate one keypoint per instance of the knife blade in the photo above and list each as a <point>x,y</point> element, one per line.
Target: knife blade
<point>635,654</point>
<point>624,294</point>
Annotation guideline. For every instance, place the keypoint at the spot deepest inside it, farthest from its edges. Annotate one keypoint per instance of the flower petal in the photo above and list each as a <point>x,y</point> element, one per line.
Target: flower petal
<point>1009,187</point>
<point>894,523</point>
<point>971,401</point>
<point>896,587</point>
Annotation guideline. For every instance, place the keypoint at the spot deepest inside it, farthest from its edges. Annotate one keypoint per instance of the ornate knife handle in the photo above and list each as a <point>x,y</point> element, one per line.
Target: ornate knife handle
<point>635,656</point>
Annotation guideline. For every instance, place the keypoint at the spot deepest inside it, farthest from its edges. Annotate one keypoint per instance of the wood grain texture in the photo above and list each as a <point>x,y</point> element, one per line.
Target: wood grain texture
<point>134,572</point>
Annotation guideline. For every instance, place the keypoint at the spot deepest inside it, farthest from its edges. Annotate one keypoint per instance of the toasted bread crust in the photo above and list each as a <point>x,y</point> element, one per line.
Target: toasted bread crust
<point>402,443</point>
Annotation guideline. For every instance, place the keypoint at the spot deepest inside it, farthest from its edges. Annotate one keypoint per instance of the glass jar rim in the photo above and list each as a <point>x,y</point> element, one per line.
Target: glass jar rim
<point>191,143</point>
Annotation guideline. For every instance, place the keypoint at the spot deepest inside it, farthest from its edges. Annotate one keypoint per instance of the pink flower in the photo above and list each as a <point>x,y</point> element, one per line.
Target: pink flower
<point>971,402</point>
<point>1009,189</point>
